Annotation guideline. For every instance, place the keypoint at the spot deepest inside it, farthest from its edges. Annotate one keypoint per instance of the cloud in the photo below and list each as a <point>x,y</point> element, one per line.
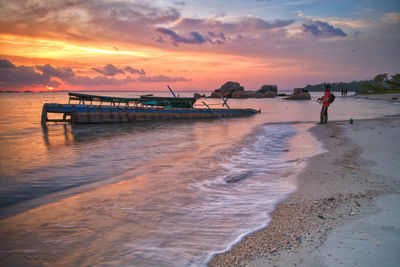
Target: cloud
<point>109,70</point>
<point>196,38</point>
<point>49,71</point>
<point>12,76</point>
<point>179,3</point>
<point>216,31</point>
<point>134,71</point>
<point>243,24</point>
<point>5,64</point>
<point>161,78</point>
<point>260,24</point>
<point>391,18</point>
<point>322,29</point>
<point>91,21</point>
<point>124,23</point>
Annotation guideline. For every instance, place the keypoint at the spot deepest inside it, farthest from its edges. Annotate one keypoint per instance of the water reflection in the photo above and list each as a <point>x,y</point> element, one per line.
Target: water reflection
<point>149,193</point>
<point>57,136</point>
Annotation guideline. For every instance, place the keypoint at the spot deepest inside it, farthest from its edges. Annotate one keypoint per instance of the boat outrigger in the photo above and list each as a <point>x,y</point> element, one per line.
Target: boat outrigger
<point>107,109</point>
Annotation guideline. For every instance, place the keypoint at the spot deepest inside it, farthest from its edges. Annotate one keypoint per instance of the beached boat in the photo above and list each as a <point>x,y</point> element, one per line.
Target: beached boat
<point>107,109</point>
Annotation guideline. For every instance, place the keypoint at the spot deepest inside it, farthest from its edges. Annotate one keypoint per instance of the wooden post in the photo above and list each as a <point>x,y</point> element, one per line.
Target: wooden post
<point>44,115</point>
<point>225,102</point>
<point>212,110</point>
<point>172,92</point>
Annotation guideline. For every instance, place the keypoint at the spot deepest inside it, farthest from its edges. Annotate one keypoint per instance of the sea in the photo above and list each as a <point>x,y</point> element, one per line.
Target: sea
<point>161,193</point>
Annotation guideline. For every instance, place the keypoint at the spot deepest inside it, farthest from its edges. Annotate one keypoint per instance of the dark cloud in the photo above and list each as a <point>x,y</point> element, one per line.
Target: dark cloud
<point>134,71</point>
<point>49,71</point>
<point>161,78</point>
<point>322,29</point>
<point>5,64</point>
<point>12,76</point>
<point>109,70</point>
<point>196,38</point>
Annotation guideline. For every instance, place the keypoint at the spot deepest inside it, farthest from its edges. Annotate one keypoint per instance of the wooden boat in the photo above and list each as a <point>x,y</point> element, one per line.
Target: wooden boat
<point>107,109</point>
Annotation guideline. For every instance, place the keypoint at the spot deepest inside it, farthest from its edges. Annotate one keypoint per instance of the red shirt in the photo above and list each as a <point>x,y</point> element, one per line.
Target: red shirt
<point>325,98</point>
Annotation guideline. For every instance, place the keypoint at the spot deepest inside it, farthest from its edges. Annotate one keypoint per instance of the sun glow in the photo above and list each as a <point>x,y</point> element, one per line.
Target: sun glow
<point>46,48</point>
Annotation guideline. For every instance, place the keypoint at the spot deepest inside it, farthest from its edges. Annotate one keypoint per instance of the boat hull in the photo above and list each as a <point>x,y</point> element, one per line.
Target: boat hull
<point>84,114</point>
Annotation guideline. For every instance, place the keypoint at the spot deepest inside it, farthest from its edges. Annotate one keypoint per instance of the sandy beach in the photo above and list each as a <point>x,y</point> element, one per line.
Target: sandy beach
<point>345,211</point>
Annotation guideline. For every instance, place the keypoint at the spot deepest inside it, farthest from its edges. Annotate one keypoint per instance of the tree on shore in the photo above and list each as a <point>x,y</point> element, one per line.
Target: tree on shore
<point>381,84</point>
<point>394,83</point>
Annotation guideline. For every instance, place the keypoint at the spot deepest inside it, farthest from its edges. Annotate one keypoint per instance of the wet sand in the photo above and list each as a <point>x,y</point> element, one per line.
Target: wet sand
<point>395,97</point>
<point>345,211</point>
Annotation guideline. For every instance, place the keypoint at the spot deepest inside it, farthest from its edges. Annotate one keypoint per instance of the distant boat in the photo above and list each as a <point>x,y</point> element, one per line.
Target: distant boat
<point>108,109</point>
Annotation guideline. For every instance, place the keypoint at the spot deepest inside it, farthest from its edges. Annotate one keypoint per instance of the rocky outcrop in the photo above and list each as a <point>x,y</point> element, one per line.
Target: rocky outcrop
<point>240,94</point>
<point>235,90</point>
<point>227,90</point>
<point>197,95</point>
<point>270,90</point>
<point>299,94</point>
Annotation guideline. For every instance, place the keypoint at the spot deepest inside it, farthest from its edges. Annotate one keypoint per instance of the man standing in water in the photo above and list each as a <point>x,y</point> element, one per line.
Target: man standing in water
<point>325,104</point>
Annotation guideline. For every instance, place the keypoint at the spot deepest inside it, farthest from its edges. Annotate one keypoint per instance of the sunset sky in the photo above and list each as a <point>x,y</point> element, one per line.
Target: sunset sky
<point>194,45</point>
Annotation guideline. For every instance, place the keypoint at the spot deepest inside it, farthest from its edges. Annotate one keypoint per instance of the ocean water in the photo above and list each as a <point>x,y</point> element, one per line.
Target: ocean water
<point>169,193</point>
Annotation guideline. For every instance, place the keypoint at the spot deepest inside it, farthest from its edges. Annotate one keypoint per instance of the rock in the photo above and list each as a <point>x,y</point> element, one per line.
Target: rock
<point>231,86</point>
<point>235,90</point>
<point>299,96</point>
<point>267,95</point>
<point>240,94</point>
<point>227,89</point>
<point>252,94</point>
<point>227,94</point>
<point>238,177</point>
<point>197,95</point>
<point>270,90</point>
<point>215,94</point>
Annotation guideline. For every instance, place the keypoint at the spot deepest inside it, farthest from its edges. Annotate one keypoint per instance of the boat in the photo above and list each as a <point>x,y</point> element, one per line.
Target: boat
<point>86,108</point>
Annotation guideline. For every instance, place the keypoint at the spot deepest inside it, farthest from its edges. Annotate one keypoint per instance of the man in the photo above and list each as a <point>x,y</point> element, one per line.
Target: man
<point>325,104</point>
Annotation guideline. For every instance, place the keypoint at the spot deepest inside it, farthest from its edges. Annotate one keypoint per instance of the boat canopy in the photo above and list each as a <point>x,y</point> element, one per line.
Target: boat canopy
<point>169,102</point>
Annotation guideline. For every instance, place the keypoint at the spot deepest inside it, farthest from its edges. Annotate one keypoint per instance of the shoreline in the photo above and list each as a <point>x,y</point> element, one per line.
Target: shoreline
<point>393,97</point>
<point>335,189</point>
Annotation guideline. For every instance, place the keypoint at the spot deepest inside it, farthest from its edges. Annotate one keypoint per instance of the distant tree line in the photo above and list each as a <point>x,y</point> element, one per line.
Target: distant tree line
<point>380,84</point>
<point>338,86</point>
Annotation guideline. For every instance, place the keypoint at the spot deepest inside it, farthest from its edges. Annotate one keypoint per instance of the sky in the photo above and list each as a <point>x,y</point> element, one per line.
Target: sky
<point>194,45</point>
